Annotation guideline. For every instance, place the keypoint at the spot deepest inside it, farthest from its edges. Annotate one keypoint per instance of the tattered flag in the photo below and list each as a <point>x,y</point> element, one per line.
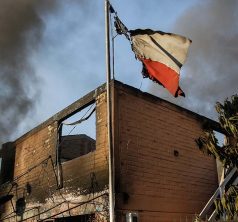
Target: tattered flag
<point>121,29</point>
<point>162,55</point>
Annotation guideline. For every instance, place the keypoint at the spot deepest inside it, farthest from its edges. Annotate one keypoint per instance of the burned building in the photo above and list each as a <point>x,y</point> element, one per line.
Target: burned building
<point>49,174</point>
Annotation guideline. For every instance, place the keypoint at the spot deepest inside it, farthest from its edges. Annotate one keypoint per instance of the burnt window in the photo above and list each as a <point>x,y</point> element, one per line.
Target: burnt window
<point>78,134</point>
<point>7,155</point>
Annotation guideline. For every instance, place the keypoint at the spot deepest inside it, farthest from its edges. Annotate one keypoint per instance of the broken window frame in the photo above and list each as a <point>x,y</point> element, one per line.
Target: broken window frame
<point>84,134</point>
<point>84,104</point>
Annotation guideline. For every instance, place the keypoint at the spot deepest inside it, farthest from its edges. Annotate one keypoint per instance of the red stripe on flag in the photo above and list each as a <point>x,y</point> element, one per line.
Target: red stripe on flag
<point>165,75</point>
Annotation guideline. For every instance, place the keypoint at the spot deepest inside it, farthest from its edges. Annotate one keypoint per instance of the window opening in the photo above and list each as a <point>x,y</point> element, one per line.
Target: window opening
<point>7,162</point>
<point>78,134</point>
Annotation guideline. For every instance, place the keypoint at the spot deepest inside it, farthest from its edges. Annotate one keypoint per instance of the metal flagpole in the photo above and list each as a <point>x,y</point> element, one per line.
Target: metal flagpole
<point>109,119</point>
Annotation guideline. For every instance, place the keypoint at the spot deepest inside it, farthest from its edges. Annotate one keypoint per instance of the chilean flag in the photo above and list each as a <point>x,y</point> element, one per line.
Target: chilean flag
<point>162,55</point>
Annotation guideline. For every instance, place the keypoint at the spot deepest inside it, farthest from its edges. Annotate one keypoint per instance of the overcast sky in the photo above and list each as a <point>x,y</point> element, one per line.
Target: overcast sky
<point>69,60</point>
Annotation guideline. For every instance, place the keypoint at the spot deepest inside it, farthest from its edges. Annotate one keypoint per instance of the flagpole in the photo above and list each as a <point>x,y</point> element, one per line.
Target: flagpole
<point>109,119</point>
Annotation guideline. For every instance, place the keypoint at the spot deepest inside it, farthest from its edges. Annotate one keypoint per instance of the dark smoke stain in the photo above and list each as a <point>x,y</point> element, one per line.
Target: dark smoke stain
<point>21,30</point>
<point>211,71</point>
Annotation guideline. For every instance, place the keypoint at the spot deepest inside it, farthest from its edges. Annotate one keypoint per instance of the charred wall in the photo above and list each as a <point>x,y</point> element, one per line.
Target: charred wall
<point>159,171</point>
<point>161,174</point>
<point>36,170</point>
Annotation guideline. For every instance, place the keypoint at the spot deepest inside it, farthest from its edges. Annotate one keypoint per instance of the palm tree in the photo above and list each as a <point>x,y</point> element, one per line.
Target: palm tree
<point>227,154</point>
